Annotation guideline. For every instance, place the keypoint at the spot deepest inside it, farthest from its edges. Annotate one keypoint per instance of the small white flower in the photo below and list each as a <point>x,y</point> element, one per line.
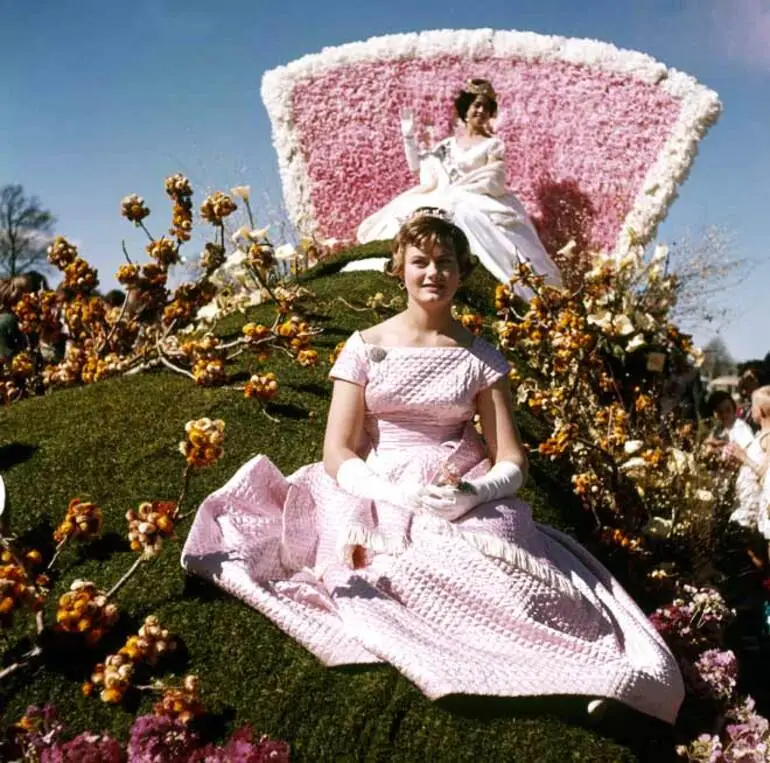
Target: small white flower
<point>637,462</point>
<point>285,252</point>
<point>258,234</point>
<point>633,446</point>
<point>660,255</point>
<point>242,232</point>
<point>236,258</point>
<point>208,312</point>
<point>241,191</point>
<point>636,342</point>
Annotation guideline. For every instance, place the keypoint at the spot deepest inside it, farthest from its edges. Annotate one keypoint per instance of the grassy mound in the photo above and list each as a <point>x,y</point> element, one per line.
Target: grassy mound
<point>116,443</point>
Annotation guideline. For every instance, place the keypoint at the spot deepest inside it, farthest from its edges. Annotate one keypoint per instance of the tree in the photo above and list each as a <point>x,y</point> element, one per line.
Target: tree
<point>717,360</point>
<point>25,231</point>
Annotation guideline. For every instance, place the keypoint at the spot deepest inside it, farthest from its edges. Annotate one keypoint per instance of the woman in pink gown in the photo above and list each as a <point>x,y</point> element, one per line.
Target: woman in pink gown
<point>407,544</point>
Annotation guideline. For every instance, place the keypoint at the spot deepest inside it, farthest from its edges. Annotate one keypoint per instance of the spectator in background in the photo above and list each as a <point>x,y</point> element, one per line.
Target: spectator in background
<point>729,427</point>
<point>11,291</point>
<point>752,486</point>
<point>115,298</point>
<point>748,382</point>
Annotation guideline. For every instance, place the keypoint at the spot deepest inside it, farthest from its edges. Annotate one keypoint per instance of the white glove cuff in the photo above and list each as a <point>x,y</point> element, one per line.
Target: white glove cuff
<point>353,474</point>
<point>503,480</point>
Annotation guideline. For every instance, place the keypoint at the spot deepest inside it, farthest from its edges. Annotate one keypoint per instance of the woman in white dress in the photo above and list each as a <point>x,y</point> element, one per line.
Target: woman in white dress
<point>752,486</point>
<point>465,175</point>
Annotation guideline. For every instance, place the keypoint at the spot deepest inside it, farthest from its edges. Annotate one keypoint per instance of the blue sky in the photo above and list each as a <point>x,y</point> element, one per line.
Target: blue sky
<point>101,99</point>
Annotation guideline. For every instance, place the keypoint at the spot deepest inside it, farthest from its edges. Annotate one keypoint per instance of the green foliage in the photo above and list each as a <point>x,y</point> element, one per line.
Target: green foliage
<point>115,442</point>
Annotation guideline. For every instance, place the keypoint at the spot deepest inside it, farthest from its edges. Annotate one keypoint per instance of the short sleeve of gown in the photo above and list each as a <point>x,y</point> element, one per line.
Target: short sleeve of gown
<point>351,364</point>
<point>496,152</point>
<point>491,363</point>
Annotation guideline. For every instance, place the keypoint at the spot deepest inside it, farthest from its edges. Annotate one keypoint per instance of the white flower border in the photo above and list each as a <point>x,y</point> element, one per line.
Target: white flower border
<point>700,106</point>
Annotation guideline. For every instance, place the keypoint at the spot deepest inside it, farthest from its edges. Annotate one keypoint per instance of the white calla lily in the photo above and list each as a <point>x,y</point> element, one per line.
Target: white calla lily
<point>285,252</point>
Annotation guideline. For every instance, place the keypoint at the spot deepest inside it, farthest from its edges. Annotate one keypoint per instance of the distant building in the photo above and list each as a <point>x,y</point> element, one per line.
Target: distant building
<point>726,383</point>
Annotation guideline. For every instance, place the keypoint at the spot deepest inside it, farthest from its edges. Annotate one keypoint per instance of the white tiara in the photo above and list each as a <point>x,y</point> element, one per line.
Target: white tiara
<point>437,212</point>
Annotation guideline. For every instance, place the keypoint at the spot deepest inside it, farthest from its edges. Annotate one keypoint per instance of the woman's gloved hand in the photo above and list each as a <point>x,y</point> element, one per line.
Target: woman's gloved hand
<point>502,481</point>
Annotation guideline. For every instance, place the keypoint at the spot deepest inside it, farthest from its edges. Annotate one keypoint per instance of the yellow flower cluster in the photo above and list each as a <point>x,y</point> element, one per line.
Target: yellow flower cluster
<point>164,251</point>
<point>188,299</point>
<point>128,275</point>
<point>22,365</point>
<point>206,347</point>
<point>61,253</point>
<point>82,521</point>
<point>209,372</point>
<point>179,189</point>
<point>335,353</point>
<point>307,358</point>
<point>503,297</point>
<point>288,297</point>
<point>84,609</point>
<point>80,277</point>
<point>256,332</point>
<point>261,386</point>
<point>612,425</point>
<point>149,525</point>
<point>38,314</point>
<point>261,256</point>
<point>114,675</point>
<point>16,587</point>
<point>585,483</point>
<point>133,208</point>
<point>202,445</point>
<point>83,314</point>
<point>471,321</point>
<point>95,369</point>
<point>181,703</point>
<point>621,539</point>
<point>296,333</point>
<point>559,442</point>
<point>216,207</point>
<point>67,372</point>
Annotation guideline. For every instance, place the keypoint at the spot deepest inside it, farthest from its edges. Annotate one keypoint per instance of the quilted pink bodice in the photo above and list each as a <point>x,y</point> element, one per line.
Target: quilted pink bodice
<point>420,402</point>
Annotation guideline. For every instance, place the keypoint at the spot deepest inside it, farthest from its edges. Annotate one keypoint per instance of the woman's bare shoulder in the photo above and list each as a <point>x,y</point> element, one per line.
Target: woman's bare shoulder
<point>378,333</point>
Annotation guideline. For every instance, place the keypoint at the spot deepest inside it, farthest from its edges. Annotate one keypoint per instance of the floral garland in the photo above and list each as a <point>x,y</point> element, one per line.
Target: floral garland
<point>609,132</point>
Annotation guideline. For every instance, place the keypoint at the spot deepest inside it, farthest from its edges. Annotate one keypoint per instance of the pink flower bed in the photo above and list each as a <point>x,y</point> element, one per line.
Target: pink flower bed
<point>579,141</point>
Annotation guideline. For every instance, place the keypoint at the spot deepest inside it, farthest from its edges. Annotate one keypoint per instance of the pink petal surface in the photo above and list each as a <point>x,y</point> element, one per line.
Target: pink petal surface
<point>579,141</point>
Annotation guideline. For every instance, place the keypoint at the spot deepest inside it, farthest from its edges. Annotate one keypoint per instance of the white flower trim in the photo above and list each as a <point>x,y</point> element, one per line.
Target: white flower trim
<point>700,106</point>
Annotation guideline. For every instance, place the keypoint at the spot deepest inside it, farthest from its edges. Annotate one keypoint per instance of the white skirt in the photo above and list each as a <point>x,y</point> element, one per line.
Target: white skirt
<point>500,233</point>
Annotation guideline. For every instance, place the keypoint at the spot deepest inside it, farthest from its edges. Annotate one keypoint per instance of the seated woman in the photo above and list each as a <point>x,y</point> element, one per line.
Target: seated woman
<point>466,176</point>
<point>407,544</point>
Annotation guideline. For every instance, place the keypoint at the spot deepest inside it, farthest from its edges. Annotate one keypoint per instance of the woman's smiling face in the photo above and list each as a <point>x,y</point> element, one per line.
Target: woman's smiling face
<point>431,278</point>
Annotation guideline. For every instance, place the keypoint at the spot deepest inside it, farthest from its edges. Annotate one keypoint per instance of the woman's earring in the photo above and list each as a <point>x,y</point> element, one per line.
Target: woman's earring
<point>402,286</point>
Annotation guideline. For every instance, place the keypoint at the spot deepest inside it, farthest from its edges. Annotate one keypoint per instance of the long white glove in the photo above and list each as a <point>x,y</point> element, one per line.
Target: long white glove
<point>410,143</point>
<point>356,477</point>
<point>502,481</point>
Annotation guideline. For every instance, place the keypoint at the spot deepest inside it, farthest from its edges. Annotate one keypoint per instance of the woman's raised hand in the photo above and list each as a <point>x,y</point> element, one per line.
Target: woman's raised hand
<point>407,122</point>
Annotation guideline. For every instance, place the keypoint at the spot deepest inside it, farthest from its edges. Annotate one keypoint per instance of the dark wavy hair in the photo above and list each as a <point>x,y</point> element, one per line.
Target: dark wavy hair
<point>426,232</point>
<point>466,97</point>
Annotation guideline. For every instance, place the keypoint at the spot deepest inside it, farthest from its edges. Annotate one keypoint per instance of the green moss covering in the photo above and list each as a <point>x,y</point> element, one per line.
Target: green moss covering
<point>116,443</point>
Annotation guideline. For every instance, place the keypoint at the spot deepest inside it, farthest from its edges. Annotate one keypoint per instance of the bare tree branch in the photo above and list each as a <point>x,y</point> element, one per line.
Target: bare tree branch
<point>25,231</point>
